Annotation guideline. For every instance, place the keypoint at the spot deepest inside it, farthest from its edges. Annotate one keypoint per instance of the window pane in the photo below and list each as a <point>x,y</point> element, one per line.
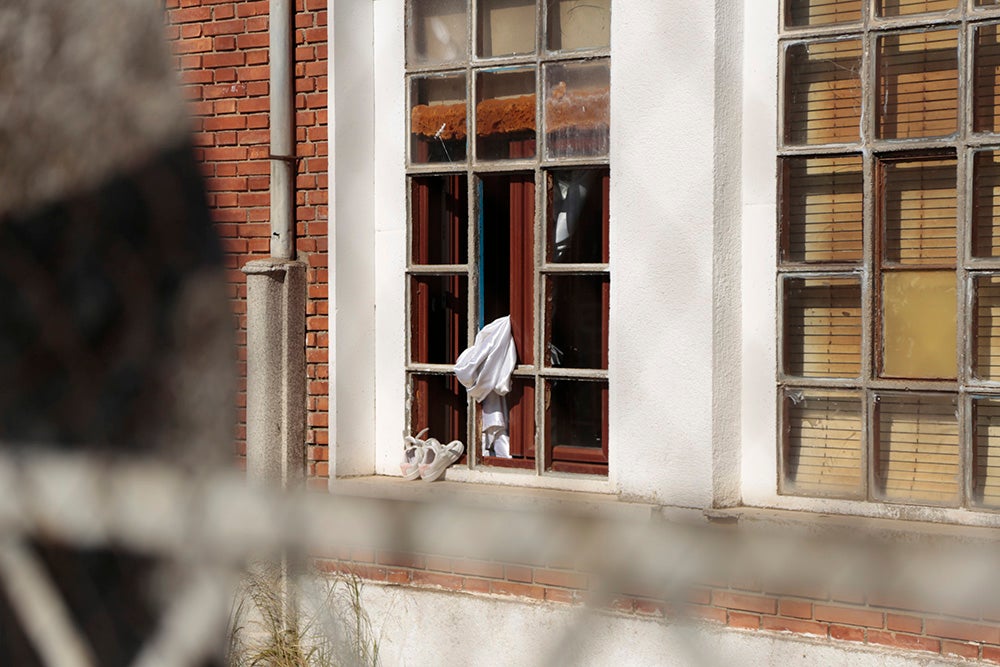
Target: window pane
<point>822,209</point>
<point>918,84</point>
<point>439,219</point>
<point>505,115</point>
<point>437,31</point>
<point>822,327</point>
<point>918,324</point>
<point>822,12</point>
<point>917,450</point>
<point>986,365</point>
<point>506,27</point>
<point>823,92</point>
<point>437,119</point>
<point>507,268</point>
<point>986,205</point>
<point>577,109</point>
<point>576,321</point>
<point>579,24</point>
<point>919,212</point>
<point>986,116</point>
<point>578,216</point>
<point>823,451</point>
<point>438,403</point>
<point>986,475</point>
<point>520,426</point>
<point>576,419</point>
<point>438,318</point>
<point>908,7</point>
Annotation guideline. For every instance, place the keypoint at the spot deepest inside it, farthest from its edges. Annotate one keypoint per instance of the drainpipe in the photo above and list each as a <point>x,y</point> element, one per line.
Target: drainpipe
<point>276,292</point>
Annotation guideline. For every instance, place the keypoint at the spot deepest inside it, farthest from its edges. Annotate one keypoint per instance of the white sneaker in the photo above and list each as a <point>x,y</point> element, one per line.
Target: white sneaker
<point>413,455</point>
<point>437,457</point>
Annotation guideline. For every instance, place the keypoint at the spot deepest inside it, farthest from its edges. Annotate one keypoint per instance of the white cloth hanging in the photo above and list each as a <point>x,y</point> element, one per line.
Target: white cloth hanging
<point>485,369</point>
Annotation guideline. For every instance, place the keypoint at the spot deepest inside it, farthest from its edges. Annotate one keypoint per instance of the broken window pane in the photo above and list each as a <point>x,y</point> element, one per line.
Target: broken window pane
<point>506,27</point>
<point>917,84</point>
<point>438,403</point>
<point>986,353</point>
<point>438,318</point>
<point>910,7</point>
<point>920,212</point>
<point>437,119</point>
<point>577,101</point>
<point>917,457</point>
<point>918,324</point>
<point>986,91</point>
<point>822,12</point>
<point>578,216</point>
<point>822,209</point>
<point>822,327</point>
<point>507,270</point>
<point>986,205</point>
<point>576,315</point>
<point>579,24</point>
<point>505,115</point>
<point>576,424</point>
<point>439,219</point>
<point>823,442</point>
<point>437,32</point>
<point>986,455</point>
<point>823,92</point>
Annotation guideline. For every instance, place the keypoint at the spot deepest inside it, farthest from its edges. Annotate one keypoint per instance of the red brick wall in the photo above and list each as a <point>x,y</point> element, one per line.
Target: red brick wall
<point>222,57</point>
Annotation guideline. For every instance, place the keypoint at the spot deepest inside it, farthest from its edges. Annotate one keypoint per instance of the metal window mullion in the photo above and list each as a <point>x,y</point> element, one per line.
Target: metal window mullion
<point>540,247</point>
<point>963,243</point>
<point>472,285</point>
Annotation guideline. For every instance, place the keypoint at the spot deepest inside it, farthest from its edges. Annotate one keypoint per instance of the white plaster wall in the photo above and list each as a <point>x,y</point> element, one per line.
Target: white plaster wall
<point>422,627</point>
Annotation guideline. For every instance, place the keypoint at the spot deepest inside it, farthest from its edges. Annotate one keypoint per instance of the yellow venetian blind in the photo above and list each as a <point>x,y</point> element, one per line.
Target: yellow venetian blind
<point>822,12</point>
<point>823,209</point>
<point>986,77</point>
<point>917,84</point>
<point>823,327</point>
<point>917,448</point>
<point>908,7</point>
<point>986,205</point>
<point>823,92</point>
<point>919,212</point>
<point>987,330</point>
<point>986,471</point>
<point>823,452</point>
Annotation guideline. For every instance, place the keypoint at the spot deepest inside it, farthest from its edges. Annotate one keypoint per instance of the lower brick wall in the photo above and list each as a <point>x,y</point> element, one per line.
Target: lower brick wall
<point>837,616</point>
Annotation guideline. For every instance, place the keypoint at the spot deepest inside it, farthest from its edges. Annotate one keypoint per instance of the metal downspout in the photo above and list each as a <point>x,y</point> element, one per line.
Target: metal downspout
<point>282,115</point>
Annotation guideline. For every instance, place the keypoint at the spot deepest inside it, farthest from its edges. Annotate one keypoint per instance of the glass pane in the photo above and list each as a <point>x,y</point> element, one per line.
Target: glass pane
<point>917,448</point>
<point>986,205</point>
<point>822,210</point>
<point>918,84</point>
<point>986,73</point>
<point>437,119</point>
<point>986,471</point>
<point>823,92</point>
<point>578,216</point>
<point>986,364</point>
<point>823,451</point>
<point>439,219</point>
<point>987,3</point>
<point>918,324</point>
<point>822,327</point>
<point>437,32</point>
<point>507,262</point>
<point>438,403</point>
<point>438,318</point>
<point>579,24</point>
<point>520,426</point>
<point>506,27</point>
<point>920,212</point>
<point>576,321</point>
<point>908,7</point>
<point>505,115</point>
<point>576,418</point>
<point>577,104</point>
<point>822,12</point>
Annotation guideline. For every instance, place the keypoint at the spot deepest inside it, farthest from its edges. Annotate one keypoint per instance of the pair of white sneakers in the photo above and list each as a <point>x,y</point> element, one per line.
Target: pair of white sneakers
<point>428,458</point>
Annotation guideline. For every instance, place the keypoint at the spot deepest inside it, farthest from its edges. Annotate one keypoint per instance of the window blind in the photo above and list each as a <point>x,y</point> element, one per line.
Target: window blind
<point>986,79</point>
<point>917,448</point>
<point>987,329</point>
<point>986,205</point>
<point>986,476</point>
<point>919,212</point>
<point>823,202</point>
<point>908,7</point>
<point>917,84</point>
<point>823,327</point>
<point>823,92</point>
<point>823,452</point>
<point>822,12</point>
